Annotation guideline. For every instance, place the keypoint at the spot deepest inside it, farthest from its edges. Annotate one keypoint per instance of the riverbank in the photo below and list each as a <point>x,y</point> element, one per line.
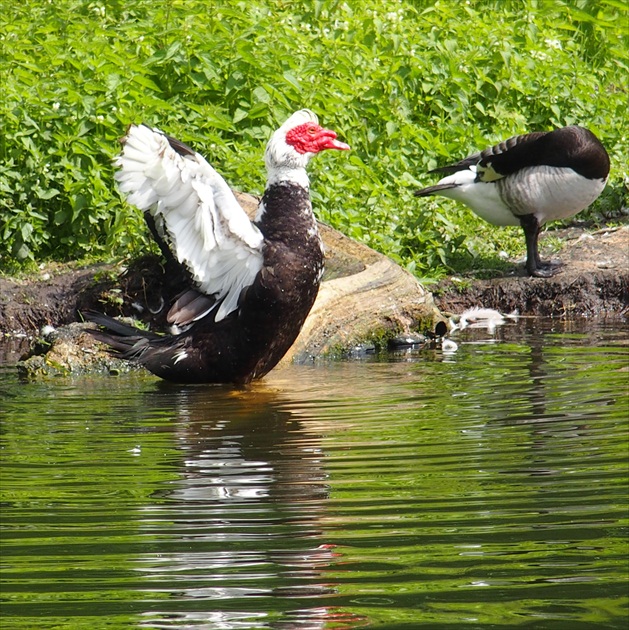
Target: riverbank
<point>593,282</point>
<point>364,298</point>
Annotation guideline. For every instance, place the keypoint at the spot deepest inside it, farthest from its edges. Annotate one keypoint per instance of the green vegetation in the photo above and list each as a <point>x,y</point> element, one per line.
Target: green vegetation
<point>409,84</point>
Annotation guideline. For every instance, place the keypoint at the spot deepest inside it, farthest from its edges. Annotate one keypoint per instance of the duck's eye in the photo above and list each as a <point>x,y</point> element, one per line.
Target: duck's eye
<point>312,130</point>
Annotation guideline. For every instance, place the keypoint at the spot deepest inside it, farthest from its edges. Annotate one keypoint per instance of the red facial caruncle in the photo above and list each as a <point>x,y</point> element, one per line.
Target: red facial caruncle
<point>312,138</point>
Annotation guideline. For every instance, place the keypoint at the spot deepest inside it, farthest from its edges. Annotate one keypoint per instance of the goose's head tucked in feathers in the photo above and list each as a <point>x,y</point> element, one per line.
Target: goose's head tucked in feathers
<point>528,180</point>
<point>290,148</point>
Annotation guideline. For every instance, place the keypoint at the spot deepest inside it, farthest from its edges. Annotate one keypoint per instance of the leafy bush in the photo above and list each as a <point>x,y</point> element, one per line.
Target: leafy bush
<point>409,84</point>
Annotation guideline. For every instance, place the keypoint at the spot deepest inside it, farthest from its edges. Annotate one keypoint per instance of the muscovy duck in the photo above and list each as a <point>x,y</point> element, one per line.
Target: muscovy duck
<point>252,283</point>
<point>528,180</point>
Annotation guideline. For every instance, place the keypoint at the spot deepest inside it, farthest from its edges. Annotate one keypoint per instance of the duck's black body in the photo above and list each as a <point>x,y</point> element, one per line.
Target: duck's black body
<point>249,340</point>
<point>528,180</point>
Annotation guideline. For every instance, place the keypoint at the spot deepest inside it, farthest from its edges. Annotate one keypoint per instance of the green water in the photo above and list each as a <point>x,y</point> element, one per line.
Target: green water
<point>481,489</point>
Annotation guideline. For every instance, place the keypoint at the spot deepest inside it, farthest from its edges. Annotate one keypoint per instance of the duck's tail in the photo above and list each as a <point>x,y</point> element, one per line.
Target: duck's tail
<point>124,341</point>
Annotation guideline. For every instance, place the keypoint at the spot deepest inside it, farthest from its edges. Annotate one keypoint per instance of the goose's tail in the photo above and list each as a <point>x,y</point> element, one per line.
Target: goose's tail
<point>434,190</point>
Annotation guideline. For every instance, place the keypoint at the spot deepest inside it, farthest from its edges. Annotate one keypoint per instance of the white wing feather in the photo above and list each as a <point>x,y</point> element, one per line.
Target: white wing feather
<point>209,231</point>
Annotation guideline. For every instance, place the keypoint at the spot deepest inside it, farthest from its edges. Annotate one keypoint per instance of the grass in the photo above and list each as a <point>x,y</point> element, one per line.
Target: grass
<point>410,84</point>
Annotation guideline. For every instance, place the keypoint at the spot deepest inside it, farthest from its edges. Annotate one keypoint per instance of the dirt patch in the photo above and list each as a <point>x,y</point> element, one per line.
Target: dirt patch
<point>593,282</point>
<point>48,298</point>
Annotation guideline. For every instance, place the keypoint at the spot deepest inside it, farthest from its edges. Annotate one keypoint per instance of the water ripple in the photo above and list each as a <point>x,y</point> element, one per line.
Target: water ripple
<point>401,491</point>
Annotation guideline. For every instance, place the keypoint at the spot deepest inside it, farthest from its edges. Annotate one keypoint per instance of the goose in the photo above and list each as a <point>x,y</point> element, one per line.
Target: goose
<point>528,180</point>
<point>252,283</point>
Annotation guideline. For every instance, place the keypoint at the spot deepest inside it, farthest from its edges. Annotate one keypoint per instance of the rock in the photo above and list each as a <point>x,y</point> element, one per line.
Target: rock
<point>69,349</point>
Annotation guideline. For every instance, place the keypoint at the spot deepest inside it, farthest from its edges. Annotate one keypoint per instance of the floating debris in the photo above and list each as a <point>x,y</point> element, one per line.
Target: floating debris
<point>448,346</point>
<point>479,317</point>
<point>405,341</point>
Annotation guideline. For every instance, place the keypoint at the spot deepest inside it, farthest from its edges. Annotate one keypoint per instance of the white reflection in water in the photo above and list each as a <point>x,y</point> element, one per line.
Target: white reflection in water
<point>243,519</point>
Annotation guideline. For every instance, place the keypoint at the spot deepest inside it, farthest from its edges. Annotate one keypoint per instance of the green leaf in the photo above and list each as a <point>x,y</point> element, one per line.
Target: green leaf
<point>260,94</point>
<point>239,115</point>
<point>146,82</point>
<point>48,193</point>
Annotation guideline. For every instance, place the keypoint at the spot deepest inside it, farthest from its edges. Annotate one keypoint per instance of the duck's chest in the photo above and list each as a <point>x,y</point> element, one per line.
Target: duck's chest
<point>292,269</point>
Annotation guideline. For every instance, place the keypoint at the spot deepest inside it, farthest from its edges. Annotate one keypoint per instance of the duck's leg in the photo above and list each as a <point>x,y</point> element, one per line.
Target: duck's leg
<point>534,264</point>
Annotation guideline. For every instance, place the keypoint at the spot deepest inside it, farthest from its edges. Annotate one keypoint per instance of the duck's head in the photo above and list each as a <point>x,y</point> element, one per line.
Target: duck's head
<point>297,140</point>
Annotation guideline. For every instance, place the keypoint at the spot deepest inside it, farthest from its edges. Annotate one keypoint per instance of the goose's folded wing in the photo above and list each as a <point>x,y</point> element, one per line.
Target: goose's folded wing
<point>196,215</point>
<point>497,161</point>
<point>508,156</point>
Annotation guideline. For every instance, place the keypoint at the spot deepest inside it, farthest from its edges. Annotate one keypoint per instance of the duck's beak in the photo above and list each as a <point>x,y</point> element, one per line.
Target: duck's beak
<point>329,141</point>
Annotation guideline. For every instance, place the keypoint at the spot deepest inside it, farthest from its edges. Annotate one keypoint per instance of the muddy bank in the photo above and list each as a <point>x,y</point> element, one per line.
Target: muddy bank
<point>593,282</point>
<point>364,297</point>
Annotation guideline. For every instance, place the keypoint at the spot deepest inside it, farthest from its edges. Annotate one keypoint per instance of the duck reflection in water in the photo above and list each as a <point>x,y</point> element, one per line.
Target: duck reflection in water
<point>240,531</point>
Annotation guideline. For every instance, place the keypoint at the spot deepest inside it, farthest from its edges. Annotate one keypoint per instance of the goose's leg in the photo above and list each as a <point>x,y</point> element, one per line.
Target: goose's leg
<point>534,264</point>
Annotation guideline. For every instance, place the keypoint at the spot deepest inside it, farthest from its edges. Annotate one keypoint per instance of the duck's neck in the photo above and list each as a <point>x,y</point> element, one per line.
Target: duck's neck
<point>288,174</point>
<point>287,193</point>
<point>285,213</point>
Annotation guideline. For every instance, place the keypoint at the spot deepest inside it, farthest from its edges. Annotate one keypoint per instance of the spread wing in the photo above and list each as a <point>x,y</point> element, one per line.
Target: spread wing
<point>195,213</point>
